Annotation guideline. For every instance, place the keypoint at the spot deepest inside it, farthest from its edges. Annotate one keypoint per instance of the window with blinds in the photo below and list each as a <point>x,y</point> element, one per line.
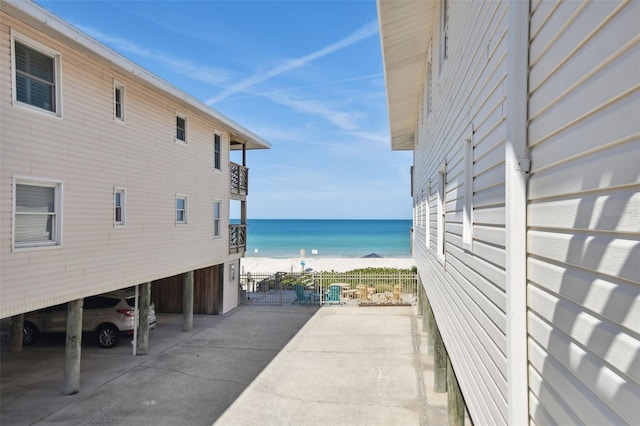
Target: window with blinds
<point>216,218</point>
<point>216,151</point>
<point>181,209</point>
<point>36,213</point>
<point>181,129</point>
<point>35,75</point>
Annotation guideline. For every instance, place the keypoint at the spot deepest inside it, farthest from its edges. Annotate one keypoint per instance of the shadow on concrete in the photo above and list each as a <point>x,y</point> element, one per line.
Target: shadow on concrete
<point>187,378</point>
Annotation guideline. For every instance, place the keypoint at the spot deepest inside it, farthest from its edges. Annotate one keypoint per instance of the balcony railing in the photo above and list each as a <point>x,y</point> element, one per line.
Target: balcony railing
<point>239,179</point>
<point>237,238</point>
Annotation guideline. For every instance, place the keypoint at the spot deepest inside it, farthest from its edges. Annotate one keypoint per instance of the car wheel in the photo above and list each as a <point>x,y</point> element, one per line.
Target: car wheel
<point>107,335</point>
<point>30,333</point>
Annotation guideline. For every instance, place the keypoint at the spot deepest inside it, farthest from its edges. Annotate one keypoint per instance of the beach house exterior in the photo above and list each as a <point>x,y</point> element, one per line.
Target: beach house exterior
<point>524,121</point>
<point>110,176</point>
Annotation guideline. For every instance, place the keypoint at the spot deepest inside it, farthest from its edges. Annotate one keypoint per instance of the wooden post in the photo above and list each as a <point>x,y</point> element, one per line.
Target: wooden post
<point>187,301</point>
<point>17,330</point>
<point>73,348</point>
<point>431,327</point>
<point>144,304</point>
<point>455,402</point>
<point>439,361</point>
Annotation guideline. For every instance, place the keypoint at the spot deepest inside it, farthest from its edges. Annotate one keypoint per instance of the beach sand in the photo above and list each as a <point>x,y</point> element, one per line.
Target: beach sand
<point>338,264</point>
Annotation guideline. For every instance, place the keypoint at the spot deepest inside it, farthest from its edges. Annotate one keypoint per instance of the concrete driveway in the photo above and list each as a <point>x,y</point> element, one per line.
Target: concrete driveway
<point>259,365</point>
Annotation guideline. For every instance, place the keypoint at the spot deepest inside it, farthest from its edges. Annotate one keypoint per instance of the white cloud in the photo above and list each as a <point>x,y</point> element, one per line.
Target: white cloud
<point>210,75</point>
<point>362,33</point>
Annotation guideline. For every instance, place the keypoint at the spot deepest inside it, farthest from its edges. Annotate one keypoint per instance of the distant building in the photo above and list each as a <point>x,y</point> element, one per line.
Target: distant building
<point>524,121</point>
<point>110,176</point>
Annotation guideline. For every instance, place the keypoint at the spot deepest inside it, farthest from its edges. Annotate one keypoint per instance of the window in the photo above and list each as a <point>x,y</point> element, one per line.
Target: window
<point>36,74</point>
<point>444,32</point>
<point>118,101</point>
<point>216,218</point>
<point>119,206</point>
<point>181,209</point>
<point>441,222</point>
<point>427,212</point>
<point>37,206</point>
<point>467,217</point>
<point>216,151</point>
<point>181,129</point>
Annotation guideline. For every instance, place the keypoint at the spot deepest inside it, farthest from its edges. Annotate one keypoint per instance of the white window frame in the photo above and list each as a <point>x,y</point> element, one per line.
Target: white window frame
<point>123,207</point>
<point>185,210</point>
<point>467,216</point>
<point>217,154</point>
<point>56,237</point>
<point>117,86</point>
<point>427,212</point>
<point>57,78</point>
<point>441,220</point>
<point>186,125</point>
<point>217,220</point>
<point>444,32</point>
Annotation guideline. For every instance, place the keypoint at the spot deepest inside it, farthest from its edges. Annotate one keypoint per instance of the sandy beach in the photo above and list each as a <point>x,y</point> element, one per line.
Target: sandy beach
<point>338,264</point>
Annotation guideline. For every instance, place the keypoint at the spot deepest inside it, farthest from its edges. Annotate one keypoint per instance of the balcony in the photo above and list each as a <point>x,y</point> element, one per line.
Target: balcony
<point>237,238</point>
<point>239,179</point>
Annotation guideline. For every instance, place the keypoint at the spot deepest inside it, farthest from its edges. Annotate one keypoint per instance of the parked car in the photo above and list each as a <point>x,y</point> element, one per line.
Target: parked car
<point>108,315</point>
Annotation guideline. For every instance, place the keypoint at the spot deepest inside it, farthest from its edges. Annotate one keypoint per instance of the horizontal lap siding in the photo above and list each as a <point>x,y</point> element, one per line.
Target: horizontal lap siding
<point>466,288</point>
<point>91,153</point>
<point>584,213</point>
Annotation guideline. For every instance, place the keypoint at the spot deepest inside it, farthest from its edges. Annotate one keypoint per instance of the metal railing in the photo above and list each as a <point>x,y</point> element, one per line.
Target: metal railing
<point>239,179</point>
<point>363,288</point>
<point>237,238</point>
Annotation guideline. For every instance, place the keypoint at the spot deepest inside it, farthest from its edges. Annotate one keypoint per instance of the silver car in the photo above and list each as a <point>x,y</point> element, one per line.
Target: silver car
<point>108,315</point>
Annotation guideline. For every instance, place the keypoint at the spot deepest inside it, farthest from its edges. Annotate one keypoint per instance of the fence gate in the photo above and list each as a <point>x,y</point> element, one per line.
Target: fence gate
<point>267,289</point>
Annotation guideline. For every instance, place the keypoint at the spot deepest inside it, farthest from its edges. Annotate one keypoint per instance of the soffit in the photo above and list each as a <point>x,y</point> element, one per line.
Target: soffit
<point>405,29</point>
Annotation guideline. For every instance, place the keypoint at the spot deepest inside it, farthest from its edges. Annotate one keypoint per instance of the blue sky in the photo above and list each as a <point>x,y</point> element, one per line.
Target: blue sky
<point>304,75</point>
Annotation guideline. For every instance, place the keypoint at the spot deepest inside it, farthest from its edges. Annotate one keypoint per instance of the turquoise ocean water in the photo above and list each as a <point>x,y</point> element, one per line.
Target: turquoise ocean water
<point>283,238</point>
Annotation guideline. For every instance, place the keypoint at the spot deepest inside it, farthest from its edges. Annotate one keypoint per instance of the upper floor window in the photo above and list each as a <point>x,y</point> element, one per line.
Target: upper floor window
<point>37,209</point>
<point>216,151</point>
<point>118,101</point>
<point>36,74</point>
<point>444,32</point>
<point>120,206</point>
<point>441,222</point>
<point>181,129</point>
<point>182,204</point>
<point>467,217</point>
<point>216,218</point>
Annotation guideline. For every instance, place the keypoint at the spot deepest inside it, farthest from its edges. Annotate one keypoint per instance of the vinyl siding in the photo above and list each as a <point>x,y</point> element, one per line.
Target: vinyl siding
<point>466,287</point>
<point>584,213</point>
<point>92,153</point>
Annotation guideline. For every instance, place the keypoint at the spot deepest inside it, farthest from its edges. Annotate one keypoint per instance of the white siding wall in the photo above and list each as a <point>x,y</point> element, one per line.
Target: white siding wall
<point>584,213</point>
<point>91,153</point>
<point>466,287</point>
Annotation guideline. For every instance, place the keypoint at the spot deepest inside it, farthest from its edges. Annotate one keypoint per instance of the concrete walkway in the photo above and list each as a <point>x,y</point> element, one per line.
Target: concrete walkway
<point>259,365</point>
<point>347,366</point>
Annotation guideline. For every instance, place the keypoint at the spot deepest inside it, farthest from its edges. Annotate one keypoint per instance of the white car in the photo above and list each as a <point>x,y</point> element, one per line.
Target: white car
<point>108,315</point>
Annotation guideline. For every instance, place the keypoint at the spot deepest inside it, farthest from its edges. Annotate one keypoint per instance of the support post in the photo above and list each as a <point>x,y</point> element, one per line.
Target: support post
<point>187,301</point>
<point>73,348</point>
<point>17,331</point>
<point>439,362</point>
<point>431,328</point>
<point>455,402</point>
<point>144,304</point>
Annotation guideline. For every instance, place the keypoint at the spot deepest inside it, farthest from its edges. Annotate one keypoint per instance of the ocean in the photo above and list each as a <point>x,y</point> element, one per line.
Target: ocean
<point>285,238</point>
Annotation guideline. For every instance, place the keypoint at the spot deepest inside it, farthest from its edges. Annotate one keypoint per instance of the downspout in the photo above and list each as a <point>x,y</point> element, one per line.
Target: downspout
<point>517,166</point>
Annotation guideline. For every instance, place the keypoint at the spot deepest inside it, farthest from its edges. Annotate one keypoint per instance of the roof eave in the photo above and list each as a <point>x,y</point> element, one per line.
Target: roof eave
<point>405,33</point>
